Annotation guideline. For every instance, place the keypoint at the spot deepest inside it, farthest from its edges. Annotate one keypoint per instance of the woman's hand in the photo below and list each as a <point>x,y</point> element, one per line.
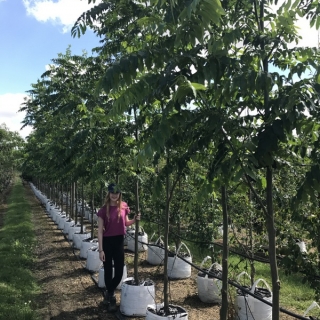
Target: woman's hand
<point>101,256</point>
<point>137,217</point>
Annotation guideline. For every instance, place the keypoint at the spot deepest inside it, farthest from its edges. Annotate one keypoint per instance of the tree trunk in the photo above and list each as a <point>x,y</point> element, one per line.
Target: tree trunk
<point>225,254</point>
<point>136,235</point>
<point>92,212</point>
<point>251,239</point>
<point>67,200</point>
<point>137,225</point>
<point>61,196</point>
<point>71,200</point>
<point>101,196</point>
<point>82,207</point>
<point>272,248</point>
<point>166,243</point>
<point>76,202</point>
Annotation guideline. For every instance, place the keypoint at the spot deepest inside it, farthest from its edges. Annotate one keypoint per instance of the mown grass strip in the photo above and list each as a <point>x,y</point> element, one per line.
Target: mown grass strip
<point>17,285</point>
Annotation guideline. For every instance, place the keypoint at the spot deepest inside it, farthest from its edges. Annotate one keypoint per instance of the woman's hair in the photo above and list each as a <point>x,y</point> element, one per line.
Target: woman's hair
<point>107,204</point>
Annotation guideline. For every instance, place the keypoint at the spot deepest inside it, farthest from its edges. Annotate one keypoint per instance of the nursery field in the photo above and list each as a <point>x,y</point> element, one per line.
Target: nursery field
<point>69,291</point>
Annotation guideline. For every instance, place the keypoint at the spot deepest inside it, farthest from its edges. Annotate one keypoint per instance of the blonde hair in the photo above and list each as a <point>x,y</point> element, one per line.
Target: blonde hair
<point>107,204</point>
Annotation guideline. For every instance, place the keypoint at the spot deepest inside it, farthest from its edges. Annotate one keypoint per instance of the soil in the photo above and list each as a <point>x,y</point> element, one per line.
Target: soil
<point>70,292</point>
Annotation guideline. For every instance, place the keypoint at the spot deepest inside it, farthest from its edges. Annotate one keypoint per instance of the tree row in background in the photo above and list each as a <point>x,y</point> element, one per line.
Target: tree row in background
<point>11,156</point>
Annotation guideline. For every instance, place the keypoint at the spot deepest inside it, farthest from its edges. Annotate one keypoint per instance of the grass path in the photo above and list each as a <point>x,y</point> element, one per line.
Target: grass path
<point>17,284</point>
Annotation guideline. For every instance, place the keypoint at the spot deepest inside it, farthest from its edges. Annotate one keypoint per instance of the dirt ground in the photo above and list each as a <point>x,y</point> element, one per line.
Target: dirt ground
<point>70,292</point>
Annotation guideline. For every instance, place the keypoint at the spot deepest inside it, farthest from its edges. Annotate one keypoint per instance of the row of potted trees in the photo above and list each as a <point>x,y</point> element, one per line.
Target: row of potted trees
<point>138,298</point>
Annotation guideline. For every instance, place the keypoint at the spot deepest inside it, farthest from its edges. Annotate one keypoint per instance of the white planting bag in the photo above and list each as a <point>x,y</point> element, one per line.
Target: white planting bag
<point>129,234</point>
<point>142,238</point>
<point>75,228</point>
<point>312,306</point>
<point>101,283</point>
<point>178,268</point>
<point>155,254</point>
<point>209,288</point>
<point>78,237</point>
<point>136,298</point>
<point>93,261</point>
<point>68,223</point>
<point>250,308</point>
<point>62,220</point>
<point>86,244</point>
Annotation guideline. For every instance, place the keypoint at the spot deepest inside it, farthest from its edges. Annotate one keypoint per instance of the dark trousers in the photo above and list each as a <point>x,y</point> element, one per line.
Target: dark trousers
<point>113,251</point>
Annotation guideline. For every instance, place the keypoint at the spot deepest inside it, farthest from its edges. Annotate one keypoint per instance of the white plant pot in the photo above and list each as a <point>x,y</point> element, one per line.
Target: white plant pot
<point>153,308</point>
<point>250,308</point>
<point>48,204</point>
<point>67,226</point>
<point>78,237</point>
<point>101,283</point>
<point>129,234</point>
<point>58,217</point>
<point>209,289</point>
<point>94,217</point>
<point>136,298</point>
<point>62,220</point>
<point>52,212</point>
<point>93,261</point>
<point>86,245</point>
<point>73,229</point>
<point>87,213</point>
<point>143,238</point>
<point>155,253</point>
<point>178,268</point>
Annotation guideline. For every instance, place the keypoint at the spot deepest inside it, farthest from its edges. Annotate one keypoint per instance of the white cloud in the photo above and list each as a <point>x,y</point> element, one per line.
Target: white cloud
<point>61,12</point>
<point>10,104</point>
<point>309,35</point>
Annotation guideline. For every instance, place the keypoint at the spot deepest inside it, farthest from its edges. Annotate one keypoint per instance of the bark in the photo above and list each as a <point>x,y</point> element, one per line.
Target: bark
<point>272,249</point>
<point>225,254</point>
<point>166,243</point>
<point>136,235</point>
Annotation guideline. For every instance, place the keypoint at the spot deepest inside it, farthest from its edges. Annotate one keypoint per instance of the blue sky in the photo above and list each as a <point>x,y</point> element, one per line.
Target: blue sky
<point>32,32</point>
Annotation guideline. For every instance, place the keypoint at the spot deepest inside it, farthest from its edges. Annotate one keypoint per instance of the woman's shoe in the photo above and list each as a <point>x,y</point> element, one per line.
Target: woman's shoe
<point>112,306</point>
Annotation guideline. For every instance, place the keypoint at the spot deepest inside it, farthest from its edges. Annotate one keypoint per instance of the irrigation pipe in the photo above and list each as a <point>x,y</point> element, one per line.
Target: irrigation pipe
<point>256,258</point>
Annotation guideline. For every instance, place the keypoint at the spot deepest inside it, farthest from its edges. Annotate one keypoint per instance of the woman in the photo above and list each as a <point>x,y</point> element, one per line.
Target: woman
<point>112,222</point>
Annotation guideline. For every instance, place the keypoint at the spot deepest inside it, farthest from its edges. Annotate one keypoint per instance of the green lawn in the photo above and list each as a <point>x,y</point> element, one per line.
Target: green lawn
<point>17,285</point>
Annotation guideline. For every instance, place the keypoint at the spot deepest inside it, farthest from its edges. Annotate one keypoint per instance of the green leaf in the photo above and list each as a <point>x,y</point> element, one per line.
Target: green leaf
<point>250,173</point>
<point>238,176</point>
<point>263,182</point>
<point>198,86</point>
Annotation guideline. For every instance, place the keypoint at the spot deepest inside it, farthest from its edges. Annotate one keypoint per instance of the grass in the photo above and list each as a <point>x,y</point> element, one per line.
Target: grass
<point>17,285</point>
